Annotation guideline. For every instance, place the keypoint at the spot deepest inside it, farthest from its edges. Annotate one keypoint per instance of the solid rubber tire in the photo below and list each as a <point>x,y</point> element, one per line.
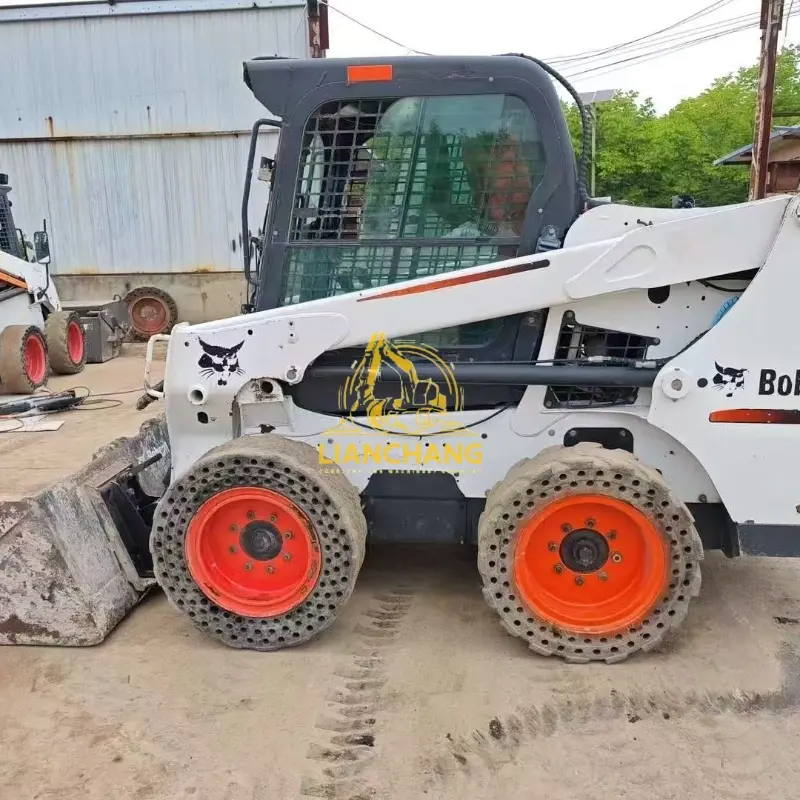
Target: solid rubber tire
<point>13,377</point>
<point>56,333</point>
<point>151,291</point>
<point>507,510</point>
<point>291,468</point>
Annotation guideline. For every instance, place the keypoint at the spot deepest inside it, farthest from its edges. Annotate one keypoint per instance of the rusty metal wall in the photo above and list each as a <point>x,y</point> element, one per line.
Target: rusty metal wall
<point>141,205</point>
<point>129,134</point>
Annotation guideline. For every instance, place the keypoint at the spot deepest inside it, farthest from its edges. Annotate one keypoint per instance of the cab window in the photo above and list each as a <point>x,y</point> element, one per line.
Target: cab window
<point>391,190</point>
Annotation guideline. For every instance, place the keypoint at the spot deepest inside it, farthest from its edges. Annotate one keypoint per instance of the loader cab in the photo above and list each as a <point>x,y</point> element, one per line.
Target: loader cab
<point>390,170</point>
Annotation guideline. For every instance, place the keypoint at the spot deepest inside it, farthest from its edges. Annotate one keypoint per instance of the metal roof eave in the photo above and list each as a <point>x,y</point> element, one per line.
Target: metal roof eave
<point>83,9</point>
<point>735,157</point>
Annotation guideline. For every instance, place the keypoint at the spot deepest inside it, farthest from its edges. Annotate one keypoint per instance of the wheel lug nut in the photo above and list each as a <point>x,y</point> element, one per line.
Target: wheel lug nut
<point>616,557</point>
<point>612,535</point>
<point>590,523</point>
<point>234,527</point>
<point>270,569</point>
<point>287,535</point>
<point>248,566</point>
<point>551,546</point>
<point>579,581</point>
<point>232,548</point>
<point>603,576</point>
<point>566,527</point>
<point>251,515</point>
<point>287,556</point>
<point>558,568</point>
<point>272,517</point>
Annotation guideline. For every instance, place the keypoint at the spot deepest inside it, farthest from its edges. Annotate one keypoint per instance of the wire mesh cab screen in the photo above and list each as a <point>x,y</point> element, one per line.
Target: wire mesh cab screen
<point>393,190</point>
<point>9,240</point>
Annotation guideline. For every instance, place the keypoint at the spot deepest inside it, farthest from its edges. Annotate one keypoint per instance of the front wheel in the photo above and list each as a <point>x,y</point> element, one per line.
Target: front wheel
<point>257,545</point>
<point>586,554</point>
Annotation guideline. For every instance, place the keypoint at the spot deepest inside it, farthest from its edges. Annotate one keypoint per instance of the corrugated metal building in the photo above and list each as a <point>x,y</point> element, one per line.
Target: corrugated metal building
<point>126,124</point>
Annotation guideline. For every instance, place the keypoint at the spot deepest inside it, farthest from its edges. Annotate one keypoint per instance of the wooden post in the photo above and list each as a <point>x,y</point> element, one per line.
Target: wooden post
<point>771,22</point>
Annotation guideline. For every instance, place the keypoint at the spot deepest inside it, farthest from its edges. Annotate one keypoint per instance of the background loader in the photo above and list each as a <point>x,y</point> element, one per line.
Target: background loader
<point>37,336</point>
<point>576,407</point>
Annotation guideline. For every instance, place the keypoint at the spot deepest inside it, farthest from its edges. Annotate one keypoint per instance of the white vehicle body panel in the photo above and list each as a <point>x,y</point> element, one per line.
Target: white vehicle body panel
<point>602,275</point>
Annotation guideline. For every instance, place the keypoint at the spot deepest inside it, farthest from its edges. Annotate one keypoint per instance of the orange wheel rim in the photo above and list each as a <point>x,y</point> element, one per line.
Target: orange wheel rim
<point>253,552</point>
<point>35,357</point>
<point>591,563</point>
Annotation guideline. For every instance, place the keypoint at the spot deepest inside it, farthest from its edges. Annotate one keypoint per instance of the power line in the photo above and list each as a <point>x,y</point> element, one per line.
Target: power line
<point>603,69</point>
<point>666,47</point>
<point>786,27</point>
<point>615,66</point>
<point>670,38</point>
<point>715,6</point>
<point>372,30</point>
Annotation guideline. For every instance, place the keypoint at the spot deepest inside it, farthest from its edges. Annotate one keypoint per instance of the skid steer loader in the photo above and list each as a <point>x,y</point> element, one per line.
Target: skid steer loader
<point>446,340</point>
<point>37,335</point>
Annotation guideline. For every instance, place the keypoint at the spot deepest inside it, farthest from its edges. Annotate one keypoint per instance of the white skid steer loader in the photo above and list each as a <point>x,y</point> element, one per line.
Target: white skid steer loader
<point>447,341</point>
<point>37,336</point>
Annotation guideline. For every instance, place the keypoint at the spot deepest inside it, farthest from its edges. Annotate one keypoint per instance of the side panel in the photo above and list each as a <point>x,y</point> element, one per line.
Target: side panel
<point>733,397</point>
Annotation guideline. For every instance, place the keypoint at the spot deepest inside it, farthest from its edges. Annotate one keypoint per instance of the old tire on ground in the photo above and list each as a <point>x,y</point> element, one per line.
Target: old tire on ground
<point>151,311</point>
<point>66,342</point>
<point>24,363</point>
<point>586,554</point>
<point>258,545</point>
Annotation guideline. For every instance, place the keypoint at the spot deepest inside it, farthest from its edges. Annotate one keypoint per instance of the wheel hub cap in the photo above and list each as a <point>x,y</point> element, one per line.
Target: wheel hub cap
<point>261,540</point>
<point>584,551</point>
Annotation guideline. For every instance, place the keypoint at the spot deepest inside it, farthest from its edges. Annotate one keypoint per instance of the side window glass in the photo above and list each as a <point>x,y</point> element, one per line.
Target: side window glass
<point>454,167</point>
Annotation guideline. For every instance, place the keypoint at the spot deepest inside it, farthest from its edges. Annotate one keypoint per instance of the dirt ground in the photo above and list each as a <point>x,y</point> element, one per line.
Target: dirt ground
<point>30,462</point>
<point>415,692</point>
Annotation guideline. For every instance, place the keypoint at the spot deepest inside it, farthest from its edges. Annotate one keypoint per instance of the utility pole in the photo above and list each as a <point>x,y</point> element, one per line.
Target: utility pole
<point>593,115</point>
<point>771,22</point>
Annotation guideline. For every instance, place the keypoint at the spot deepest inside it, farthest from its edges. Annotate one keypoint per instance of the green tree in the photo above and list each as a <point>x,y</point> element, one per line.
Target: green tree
<point>645,158</point>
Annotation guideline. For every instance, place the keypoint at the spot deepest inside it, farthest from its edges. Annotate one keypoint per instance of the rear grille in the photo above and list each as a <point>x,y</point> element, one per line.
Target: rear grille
<point>578,343</point>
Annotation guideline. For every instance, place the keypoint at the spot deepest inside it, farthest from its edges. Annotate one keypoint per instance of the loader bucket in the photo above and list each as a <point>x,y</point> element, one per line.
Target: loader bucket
<point>74,559</point>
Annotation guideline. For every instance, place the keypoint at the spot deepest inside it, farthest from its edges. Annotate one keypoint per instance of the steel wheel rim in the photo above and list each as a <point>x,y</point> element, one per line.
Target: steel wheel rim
<point>252,552</point>
<point>75,342</point>
<point>149,315</point>
<point>35,358</point>
<point>602,596</point>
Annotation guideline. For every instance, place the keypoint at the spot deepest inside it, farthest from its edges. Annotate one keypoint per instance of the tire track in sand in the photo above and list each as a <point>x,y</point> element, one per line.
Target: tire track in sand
<point>347,731</point>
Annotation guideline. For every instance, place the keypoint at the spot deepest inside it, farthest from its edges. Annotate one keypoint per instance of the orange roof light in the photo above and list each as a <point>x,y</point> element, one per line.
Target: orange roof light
<point>362,73</point>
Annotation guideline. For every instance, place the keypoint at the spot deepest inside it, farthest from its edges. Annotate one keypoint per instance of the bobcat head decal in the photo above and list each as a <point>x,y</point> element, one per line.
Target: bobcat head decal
<point>222,362</point>
<point>728,379</point>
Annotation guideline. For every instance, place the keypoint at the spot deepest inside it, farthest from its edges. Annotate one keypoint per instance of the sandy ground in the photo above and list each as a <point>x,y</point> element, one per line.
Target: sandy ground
<point>415,692</point>
<point>30,462</point>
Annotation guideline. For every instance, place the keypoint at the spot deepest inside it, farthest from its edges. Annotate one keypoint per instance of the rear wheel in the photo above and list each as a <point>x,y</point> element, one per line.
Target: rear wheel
<point>586,554</point>
<point>259,546</point>
<point>66,342</point>
<point>24,363</point>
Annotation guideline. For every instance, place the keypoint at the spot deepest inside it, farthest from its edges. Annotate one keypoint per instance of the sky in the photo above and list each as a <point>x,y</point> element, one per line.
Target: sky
<point>552,30</point>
